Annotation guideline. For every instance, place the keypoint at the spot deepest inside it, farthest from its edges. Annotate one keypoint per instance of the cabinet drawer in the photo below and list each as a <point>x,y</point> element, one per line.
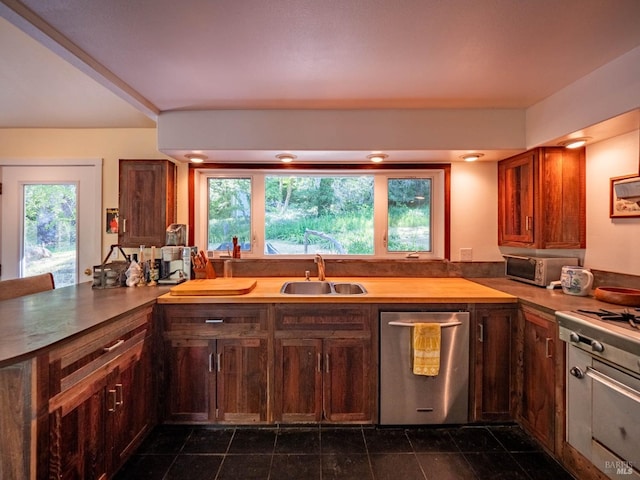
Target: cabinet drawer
<point>216,320</point>
<point>321,317</point>
<point>87,360</point>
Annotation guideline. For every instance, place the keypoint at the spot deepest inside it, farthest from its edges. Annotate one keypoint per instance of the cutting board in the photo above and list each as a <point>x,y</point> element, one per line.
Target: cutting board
<point>214,286</point>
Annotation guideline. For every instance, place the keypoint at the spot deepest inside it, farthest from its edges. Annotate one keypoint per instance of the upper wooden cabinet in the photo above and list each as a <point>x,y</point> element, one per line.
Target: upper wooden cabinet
<point>147,201</point>
<point>541,199</point>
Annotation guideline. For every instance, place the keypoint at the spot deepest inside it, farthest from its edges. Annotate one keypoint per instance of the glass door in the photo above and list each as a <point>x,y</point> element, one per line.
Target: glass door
<point>50,222</point>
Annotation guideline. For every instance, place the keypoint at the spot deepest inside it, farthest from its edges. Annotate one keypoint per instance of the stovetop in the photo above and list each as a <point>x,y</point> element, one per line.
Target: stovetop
<point>627,318</point>
<point>609,328</point>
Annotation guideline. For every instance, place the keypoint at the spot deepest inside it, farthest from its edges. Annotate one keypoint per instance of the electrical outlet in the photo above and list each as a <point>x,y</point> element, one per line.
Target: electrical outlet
<point>466,254</point>
<point>114,255</point>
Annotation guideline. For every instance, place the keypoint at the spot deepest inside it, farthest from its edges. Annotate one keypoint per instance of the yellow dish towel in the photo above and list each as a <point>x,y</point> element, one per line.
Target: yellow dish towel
<point>426,349</point>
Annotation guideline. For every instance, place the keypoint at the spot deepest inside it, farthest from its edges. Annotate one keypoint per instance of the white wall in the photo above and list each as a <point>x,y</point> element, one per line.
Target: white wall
<point>474,210</point>
<point>612,244</point>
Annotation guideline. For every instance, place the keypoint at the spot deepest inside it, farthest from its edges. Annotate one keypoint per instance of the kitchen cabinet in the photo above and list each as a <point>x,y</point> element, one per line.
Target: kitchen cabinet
<point>323,364</point>
<point>538,358</point>
<point>542,199</point>
<point>216,363</point>
<point>101,399</point>
<point>147,201</point>
<point>493,356</point>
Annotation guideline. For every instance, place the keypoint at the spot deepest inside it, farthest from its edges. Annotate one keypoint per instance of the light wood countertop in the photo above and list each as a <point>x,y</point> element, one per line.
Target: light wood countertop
<point>379,290</point>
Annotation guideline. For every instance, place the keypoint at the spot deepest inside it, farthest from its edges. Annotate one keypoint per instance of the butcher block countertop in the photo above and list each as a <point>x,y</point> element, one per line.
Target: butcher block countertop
<point>379,290</point>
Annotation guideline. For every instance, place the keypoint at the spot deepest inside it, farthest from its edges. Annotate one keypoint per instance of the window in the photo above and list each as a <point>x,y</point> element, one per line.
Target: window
<point>228,213</point>
<point>318,214</point>
<point>409,214</point>
<point>358,213</point>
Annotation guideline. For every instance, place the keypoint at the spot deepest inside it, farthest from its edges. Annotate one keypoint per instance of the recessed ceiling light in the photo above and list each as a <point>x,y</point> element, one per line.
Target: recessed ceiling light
<point>196,157</point>
<point>286,157</point>
<point>472,157</point>
<point>575,142</point>
<point>377,157</point>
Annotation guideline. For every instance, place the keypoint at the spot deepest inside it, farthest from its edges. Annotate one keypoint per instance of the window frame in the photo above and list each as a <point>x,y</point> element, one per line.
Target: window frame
<point>440,216</point>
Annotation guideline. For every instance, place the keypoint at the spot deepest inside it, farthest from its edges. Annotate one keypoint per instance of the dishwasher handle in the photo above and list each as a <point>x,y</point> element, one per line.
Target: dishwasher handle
<point>409,324</point>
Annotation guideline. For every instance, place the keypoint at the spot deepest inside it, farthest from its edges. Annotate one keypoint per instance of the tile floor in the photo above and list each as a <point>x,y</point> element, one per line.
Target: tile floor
<point>329,452</point>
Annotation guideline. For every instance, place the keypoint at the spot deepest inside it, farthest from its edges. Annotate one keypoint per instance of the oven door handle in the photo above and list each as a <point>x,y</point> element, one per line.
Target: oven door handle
<point>409,324</point>
<point>609,382</point>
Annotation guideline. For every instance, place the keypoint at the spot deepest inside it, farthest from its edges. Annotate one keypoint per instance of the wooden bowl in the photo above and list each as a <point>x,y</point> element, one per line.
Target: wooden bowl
<point>620,296</point>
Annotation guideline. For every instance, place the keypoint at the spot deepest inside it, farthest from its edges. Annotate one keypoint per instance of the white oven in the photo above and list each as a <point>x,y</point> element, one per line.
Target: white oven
<point>603,393</point>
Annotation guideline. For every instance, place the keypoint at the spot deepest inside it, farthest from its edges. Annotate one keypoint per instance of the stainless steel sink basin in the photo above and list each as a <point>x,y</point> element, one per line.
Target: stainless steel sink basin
<point>306,288</point>
<point>348,288</point>
<point>322,288</point>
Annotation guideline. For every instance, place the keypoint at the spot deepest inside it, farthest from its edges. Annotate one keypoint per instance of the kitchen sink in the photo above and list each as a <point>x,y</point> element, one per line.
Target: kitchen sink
<point>322,288</point>
<point>306,288</point>
<point>348,288</point>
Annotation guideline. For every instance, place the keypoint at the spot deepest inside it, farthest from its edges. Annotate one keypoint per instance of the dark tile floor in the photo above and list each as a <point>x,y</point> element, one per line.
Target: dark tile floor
<point>326,452</point>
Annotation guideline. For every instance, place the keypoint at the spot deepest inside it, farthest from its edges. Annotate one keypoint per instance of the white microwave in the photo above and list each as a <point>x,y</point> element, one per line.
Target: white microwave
<point>539,271</point>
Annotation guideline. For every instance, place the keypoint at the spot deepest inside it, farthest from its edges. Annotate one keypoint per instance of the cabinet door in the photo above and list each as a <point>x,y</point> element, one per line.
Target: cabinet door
<point>242,380</point>
<point>298,380</point>
<point>77,440</point>
<point>146,202</point>
<point>493,364</point>
<point>346,380</point>
<point>538,372</point>
<point>562,198</point>
<point>130,390</point>
<point>516,179</point>
<point>190,380</point>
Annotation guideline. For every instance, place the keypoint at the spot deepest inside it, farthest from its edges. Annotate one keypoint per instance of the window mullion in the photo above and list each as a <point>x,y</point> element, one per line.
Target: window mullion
<point>258,215</point>
<point>380,215</point>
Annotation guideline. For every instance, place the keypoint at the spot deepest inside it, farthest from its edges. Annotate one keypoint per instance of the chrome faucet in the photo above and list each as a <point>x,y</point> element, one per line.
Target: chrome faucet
<point>320,261</point>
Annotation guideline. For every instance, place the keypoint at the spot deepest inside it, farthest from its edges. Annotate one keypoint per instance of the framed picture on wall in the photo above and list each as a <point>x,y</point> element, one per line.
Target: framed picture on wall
<point>112,220</point>
<point>624,197</point>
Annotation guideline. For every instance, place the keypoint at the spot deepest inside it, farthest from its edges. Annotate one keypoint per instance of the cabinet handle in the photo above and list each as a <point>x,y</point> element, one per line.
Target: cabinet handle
<point>219,362</point>
<point>326,362</point>
<point>113,347</point>
<point>528,222</point>
<point>119,396</point>
<point>547,350</point>
<point>112,398</point>
<point>210,362</point>
<point>480,332</point>
<point>124,225</point>
<point>319,365</point>
<point>214,320</point>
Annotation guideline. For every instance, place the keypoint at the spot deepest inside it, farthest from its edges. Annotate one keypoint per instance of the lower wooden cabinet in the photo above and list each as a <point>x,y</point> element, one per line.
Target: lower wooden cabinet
<point>324,364</point>
<point>537,344</point>
<point>492,375</point>
<point>216,363</point>
<point>78,440</point>
<point>323,380</point>
<point>217,380</point>
<point>102,401</point>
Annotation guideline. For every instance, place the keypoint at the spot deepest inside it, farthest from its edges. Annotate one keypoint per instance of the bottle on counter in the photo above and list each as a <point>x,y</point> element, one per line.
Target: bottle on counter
<point>186,262</point>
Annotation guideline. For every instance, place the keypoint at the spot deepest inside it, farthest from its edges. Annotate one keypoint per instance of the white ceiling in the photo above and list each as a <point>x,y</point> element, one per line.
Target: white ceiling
<point>134,59</point>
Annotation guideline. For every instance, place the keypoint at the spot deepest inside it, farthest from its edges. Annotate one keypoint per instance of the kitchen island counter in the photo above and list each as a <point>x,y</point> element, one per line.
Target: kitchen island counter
<point>35,322</point>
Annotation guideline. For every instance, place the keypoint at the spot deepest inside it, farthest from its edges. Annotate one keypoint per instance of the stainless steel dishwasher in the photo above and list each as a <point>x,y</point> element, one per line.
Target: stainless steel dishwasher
<point>408,399</point>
